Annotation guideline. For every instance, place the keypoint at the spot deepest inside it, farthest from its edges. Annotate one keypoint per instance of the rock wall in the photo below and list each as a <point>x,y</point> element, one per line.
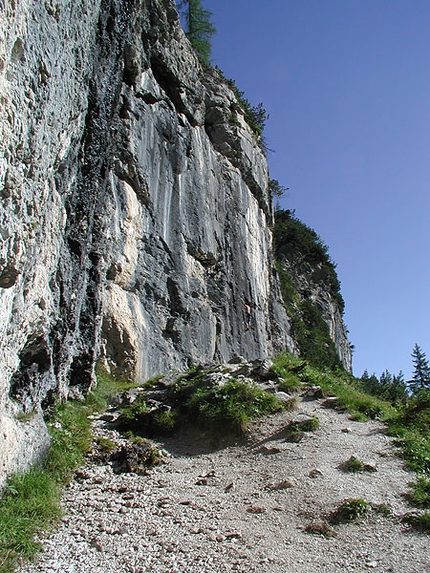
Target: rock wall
<point>135,213</point>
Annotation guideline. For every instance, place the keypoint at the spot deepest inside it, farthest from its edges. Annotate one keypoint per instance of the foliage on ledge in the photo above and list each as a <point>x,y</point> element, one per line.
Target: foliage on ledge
<point>301,247</point>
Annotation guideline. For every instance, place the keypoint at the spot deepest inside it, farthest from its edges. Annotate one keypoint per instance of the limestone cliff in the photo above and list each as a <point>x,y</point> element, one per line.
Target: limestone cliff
<point>135,211</point>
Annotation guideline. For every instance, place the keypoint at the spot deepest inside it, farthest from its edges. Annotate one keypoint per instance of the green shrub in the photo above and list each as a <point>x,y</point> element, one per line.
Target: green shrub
<point>350,510</point>
<point>420,493</point>
<point>165,421</point>
<point>295,240</point>
<point>255,116</point>
<point>416,412</point>
<point>228,408</point>
<point>354,465</point>
<point>421,522</point>
<point>411,427</point>
<point>299,251</point>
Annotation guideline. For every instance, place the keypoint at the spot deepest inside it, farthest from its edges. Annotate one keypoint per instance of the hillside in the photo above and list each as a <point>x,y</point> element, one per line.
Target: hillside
<point>258,503</point>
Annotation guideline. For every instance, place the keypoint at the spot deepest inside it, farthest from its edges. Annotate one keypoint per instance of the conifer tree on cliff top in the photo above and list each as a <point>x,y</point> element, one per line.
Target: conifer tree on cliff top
<point>199,28</point>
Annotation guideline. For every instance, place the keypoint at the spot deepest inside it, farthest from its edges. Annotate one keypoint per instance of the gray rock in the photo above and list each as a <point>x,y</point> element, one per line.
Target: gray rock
<point>135,217</point>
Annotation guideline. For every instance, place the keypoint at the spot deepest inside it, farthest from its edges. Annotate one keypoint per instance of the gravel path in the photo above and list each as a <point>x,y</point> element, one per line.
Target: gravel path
<point>243,507</point>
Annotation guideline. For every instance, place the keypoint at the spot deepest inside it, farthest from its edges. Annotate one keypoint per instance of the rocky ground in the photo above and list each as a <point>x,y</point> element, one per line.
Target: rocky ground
<point>259,505</point>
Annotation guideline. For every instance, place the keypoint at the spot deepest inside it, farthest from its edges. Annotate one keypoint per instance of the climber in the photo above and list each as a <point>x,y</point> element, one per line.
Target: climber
<point>247,310</point>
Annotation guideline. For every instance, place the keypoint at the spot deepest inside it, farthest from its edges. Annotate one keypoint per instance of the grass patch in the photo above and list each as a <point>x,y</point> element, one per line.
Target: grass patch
<point>287,367</point>
<point>411,428</point>
<point>383,509</point>
<point>165,421</point>
<point>105,445</point>
<point>71,440</point>
<point>202,397</point>
<point>420,494</point>
<point>350,510</point>
<point>419,522</point>
<point>98,399</point>
<point>30,502</point>
<point>295,430</point>
<point>297,372</point>
<point>227,408</point>
<point>355,465</point>
<point>140,419</point>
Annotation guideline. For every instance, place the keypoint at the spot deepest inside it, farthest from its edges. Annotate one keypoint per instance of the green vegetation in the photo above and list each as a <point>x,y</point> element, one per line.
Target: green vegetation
<point>420,493</point>
<point>354,465</point>
<point>421,375</point>
<point>276,189</point>
<point>300,251</point>
<point>105,445</point>
<point>383,509</point>
<point>287,368</point>
<point>30,502</point>
<point>295,429</point>
<point>227,408</point>
<point>142,420</point>
<point>411,427</point>
<point>294,239</point>
<point>198,28</point>
<point>420,522</point>
<point>197,398</point>
<point>350,510</point>
<point>255,116</point>
<point>338,383</point>
<point>388,387</point>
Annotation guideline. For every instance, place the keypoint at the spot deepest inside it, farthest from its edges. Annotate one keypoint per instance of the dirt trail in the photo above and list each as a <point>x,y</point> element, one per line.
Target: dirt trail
<point>243,507</point>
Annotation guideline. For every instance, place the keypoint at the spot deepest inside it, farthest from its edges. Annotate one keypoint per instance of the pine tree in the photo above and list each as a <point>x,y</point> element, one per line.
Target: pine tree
<point>398,391</point>
<point>421,375</point>
<point>199,28</point>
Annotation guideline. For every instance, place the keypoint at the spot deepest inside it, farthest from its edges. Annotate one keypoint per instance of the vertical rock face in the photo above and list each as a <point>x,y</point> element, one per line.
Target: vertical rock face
<point>135,214</point>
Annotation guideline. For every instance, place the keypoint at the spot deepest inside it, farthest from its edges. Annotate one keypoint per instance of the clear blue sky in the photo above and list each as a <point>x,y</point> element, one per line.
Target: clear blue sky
<point>347,87</point>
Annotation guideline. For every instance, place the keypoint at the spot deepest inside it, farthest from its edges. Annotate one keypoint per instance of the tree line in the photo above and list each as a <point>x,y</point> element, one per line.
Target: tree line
<point>395,388</point>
